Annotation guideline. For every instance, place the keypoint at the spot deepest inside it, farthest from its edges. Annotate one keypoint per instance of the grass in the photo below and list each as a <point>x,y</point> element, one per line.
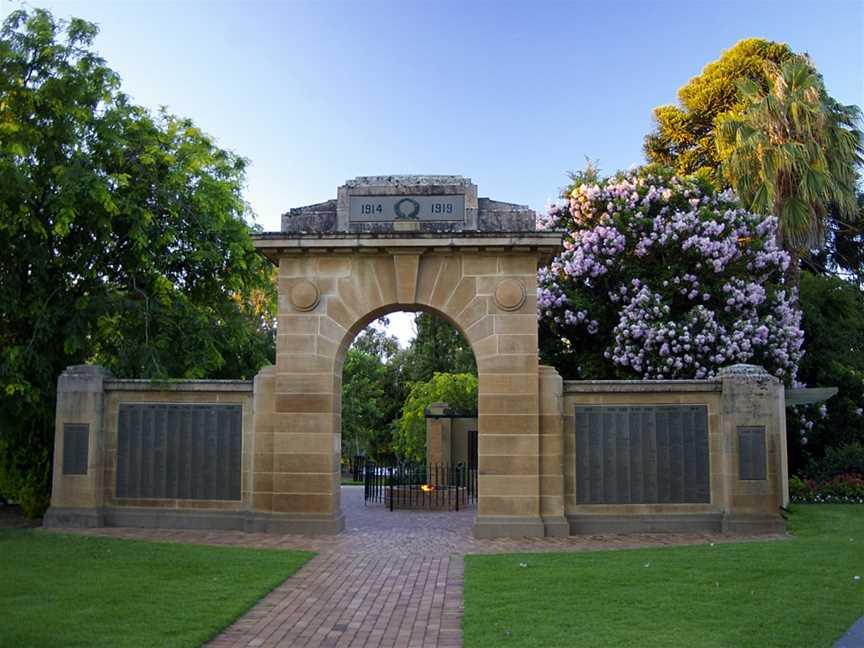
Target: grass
<point>347,481</point>
<point>797,592</point>
<point>84,591</point>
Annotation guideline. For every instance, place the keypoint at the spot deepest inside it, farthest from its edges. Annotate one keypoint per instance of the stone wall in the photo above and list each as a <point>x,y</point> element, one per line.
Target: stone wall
<point>528,463</point>
<point>742,397</point>
<point>89,396</point>
<point>428,243</point>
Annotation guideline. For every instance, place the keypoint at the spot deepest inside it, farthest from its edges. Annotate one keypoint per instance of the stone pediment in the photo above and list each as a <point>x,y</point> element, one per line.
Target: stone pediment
<point>409,203</point>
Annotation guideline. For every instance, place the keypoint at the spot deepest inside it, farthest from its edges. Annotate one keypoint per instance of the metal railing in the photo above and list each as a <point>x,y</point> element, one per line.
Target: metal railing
<point>434,487</point>
<point>357,466</point>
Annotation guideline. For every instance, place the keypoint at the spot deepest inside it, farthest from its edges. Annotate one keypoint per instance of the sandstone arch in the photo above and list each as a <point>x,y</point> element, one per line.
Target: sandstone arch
<point>484,285</point>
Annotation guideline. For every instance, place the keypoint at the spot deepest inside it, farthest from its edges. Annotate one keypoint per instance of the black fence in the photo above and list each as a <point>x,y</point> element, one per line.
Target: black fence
<point>357,467</point>
<point>433,487</point>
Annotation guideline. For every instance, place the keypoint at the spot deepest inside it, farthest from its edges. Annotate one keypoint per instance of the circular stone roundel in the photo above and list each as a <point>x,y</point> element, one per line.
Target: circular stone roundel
<point>510,294</point>
<point>304,295</point>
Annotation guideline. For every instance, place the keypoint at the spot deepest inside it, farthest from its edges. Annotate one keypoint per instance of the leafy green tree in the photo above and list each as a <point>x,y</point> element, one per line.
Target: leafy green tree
<point>378,378</point>
<point>458,390</point>
<point>843,252</point>
<point>438,347</point>
<point>684,138</point>
<point>364,422</point>
<point>374,341</point>
<point>833,312</point>
<point>386,373</point>
<point>792,152</point>
<point>687,137</point>
<point>124,241</point>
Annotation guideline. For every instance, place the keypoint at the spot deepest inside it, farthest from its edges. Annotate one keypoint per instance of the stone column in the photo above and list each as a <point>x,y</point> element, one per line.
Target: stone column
<point>77,495</point>
<point>752,417</point>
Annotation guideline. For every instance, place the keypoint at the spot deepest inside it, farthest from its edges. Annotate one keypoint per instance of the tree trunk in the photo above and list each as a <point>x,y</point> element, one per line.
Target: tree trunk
<point>793,275</point>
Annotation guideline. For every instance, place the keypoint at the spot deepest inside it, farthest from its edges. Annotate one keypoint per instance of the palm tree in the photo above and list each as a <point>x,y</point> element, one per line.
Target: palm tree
<point>794,153</point>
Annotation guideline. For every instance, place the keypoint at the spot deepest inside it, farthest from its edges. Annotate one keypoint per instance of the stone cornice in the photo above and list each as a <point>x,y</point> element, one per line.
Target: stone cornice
<point>277,244</point>
<point>139,384</point>
<point>640,386</point>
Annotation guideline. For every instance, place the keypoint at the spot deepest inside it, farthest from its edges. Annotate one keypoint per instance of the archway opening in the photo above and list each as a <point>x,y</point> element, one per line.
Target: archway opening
<point>408,418</point>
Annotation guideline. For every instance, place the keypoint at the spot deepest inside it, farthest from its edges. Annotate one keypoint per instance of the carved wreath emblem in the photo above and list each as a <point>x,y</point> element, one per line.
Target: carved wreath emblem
<point>407,208</point>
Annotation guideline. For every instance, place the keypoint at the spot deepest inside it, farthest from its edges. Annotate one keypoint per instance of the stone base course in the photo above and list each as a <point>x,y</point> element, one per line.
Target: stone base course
<point>392,579</point>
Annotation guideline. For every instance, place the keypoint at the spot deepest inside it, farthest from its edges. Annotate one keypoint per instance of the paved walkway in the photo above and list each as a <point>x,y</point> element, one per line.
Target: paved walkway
<point>854,638</point>
<point>391,580</point>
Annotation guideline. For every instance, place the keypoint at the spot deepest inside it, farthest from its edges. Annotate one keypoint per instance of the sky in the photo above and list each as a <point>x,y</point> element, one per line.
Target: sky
<point>511,94</point>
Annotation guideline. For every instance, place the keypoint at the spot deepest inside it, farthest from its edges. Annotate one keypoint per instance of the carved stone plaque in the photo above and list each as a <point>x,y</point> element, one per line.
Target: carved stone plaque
<point>385,209</point>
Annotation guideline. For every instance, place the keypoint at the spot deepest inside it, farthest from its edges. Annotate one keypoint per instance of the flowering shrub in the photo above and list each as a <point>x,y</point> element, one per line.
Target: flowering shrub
<point>661,277</point>
<point>842,489</point>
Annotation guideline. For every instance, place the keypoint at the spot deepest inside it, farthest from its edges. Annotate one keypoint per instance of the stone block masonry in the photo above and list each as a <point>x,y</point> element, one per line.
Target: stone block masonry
<point>426,243</point>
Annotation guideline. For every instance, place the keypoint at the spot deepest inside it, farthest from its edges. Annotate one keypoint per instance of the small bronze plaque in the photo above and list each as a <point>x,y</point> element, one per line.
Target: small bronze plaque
<point>751,453</point>
<point>76,446</point>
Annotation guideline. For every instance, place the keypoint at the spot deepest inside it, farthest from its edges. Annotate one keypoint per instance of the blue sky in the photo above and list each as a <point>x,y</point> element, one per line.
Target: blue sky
<point>511,94</point>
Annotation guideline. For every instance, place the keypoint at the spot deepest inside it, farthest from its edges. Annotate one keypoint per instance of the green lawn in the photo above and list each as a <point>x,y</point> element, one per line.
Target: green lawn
<point>798,592</point>
<point>66,590</point>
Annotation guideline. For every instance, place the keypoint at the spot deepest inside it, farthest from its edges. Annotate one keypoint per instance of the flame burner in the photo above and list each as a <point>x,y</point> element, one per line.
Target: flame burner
<point>429,497</point>
<point>418,487</point>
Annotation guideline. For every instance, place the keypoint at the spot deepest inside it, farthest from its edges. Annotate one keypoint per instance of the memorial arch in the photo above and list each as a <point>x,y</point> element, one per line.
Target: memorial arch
<point>404,243</point>
<point>554,457</point>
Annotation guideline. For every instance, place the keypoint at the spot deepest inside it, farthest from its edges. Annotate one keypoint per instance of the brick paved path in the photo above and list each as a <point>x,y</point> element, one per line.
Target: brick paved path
<point>392,579</point>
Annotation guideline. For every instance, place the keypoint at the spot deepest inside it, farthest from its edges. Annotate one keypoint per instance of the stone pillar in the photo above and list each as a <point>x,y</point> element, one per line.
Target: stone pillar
<point>261,466</point>
<point>552,453</point>
<point>752,417</point>
<point>508,405</point>
<point>438,435</point>
<point>77,495</point>
<point>305,419</point>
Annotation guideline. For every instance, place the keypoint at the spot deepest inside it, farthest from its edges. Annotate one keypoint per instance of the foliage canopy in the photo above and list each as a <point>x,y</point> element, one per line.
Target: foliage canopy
<point>458,390</point>
<point>792,152</point>
<point>760,119</point>
<point>125,241</point>
<point>370,402</point>
<point>439,347</point>
<point>685,135</point>
<point>833,312</point>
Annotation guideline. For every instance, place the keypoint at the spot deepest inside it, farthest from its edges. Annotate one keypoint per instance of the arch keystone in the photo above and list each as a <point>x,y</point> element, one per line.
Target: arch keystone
<point>407,267</point>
